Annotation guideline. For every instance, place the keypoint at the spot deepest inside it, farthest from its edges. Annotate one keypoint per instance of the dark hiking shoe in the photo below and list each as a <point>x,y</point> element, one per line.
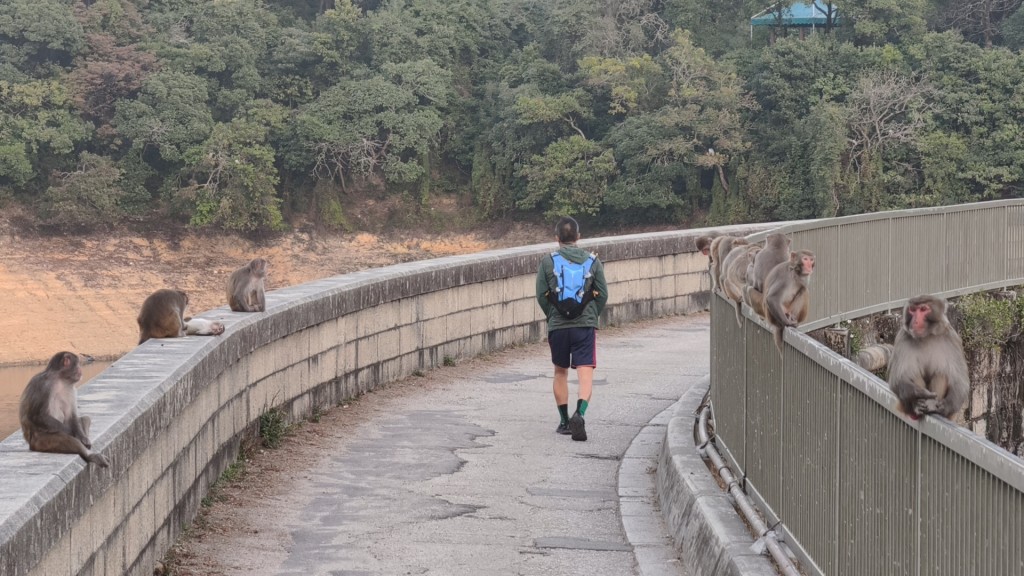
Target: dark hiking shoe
<point>563,429</point>
<point>576,426</point>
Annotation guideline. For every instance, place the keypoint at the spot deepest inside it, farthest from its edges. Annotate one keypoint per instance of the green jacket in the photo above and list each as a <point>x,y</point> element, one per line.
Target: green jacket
<point>546,280</point>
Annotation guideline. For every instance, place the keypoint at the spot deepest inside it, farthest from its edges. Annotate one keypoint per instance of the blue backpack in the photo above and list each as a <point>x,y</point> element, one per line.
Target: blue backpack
<point>572,294</point>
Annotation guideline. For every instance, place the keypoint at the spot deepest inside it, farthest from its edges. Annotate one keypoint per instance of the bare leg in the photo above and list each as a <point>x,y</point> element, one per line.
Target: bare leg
<point>561,385</point>
<point>586,376</point>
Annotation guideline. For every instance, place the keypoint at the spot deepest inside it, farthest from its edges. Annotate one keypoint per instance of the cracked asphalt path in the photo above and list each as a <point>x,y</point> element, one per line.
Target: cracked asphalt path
<point>461,472</point>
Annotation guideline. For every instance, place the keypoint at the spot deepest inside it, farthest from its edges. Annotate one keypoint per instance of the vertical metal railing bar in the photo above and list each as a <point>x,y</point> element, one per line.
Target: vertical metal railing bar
<point>781,414</point>
<point>888,292</point>
<point>746,393</point>
<point>839,474</point>
<point>916,508</point>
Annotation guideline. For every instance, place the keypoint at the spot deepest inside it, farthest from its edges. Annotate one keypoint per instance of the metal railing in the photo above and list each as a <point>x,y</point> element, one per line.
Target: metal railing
<point>860,489</point>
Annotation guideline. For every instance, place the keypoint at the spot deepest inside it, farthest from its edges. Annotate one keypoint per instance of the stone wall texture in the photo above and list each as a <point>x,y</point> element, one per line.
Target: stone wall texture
<point>171,413</point>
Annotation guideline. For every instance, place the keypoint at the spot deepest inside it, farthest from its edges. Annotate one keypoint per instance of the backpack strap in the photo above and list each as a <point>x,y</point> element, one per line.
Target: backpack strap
<point>557,263</point>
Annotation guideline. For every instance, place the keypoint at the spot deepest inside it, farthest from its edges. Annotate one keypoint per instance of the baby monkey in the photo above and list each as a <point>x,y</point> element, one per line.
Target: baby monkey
<point>49,411</point>
<point>245,287</point>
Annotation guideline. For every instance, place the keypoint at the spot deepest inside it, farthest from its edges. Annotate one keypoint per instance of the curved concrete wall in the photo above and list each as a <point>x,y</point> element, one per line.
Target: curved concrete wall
<point>170,414</point>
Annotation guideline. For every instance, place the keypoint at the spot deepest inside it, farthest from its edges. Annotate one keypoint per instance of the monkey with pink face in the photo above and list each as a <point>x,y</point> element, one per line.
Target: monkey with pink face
<point>928,371</point>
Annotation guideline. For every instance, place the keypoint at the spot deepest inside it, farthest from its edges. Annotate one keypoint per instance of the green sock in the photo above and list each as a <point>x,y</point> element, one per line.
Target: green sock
<point>581,406</point>
<point>563,412</point>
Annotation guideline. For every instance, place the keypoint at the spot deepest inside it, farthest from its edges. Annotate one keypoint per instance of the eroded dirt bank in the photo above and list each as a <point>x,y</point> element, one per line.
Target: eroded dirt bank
<point>83,293</point>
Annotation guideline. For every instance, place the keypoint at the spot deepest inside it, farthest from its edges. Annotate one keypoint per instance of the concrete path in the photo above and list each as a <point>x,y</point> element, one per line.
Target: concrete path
<point>471,479</point>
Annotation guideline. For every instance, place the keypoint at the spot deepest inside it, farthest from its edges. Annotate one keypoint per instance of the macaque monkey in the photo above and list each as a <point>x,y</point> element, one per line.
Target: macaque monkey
<point>775,252</point>
<point>49,411</point>
<point>735,273</point>
<point>928,371</point>
<point>720,248</point>
<point>163,316</point>
<point>704,246</point>
<point>203,327</point>
<point>245,287</point>
<point>786,299</point>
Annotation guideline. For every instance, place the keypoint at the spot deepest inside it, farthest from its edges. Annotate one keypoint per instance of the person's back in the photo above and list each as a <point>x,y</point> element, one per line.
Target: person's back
<point>572,324</point>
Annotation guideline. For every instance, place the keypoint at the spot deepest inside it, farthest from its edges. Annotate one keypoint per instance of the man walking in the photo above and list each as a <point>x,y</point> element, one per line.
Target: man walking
<point>572,292</point>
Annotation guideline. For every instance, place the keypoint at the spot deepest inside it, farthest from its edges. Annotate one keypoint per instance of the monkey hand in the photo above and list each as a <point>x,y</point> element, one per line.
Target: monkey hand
<point>925,403</point>
<point>928,405</point>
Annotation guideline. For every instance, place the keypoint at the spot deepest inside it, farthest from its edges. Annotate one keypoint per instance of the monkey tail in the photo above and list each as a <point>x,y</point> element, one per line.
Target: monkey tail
<point>778,337</point>
<point>739,318</point>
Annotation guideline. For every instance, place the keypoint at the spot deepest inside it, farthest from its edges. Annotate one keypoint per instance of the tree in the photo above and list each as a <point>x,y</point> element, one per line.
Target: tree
<point>979,20</point>
<point>37,127</point>
<point>85,198</point>
<point>570,178</point>
<point>109,74</point>
<point>380,126</point>
<point>231,175</point>
<point>37,36</point>
<point>878,22</point>
<point>704,108</point>
<point>886,110</point>
<point>170,115</point>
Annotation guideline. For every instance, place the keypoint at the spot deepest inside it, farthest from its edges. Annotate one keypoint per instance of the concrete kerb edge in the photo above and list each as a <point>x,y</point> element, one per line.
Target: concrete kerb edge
<point>701,518</point>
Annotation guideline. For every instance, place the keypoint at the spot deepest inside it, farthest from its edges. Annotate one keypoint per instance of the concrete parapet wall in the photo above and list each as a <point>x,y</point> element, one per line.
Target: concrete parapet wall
<point>705,526</point>
<point>170,414</point>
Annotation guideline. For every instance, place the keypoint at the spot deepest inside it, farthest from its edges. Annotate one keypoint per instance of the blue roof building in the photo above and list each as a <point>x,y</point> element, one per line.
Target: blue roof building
<point>803,15</point>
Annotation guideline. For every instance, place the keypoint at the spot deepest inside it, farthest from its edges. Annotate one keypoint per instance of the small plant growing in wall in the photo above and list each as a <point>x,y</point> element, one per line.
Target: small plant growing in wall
<point>449,361</point>
<point>273,427</point>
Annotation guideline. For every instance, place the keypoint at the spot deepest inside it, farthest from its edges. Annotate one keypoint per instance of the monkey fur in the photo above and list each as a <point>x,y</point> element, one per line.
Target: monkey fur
<point>786,299</point>
<point>48,411</point>
<point>735,272</point>
<point>163,316</point>
<point>928,372</point>
<point>245,288</point>
<point>720,248</point>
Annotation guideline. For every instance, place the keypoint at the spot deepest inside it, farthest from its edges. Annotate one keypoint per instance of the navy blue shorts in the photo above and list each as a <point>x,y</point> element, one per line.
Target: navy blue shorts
<point>572,347</point>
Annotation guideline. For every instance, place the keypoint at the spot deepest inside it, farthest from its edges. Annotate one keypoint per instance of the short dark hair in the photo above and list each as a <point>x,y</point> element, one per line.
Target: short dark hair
<point>567,230</point>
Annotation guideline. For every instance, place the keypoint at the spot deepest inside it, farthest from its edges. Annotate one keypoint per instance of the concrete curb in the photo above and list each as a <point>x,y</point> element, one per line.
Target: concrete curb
<point>701,518</point>
<point>638,501</point>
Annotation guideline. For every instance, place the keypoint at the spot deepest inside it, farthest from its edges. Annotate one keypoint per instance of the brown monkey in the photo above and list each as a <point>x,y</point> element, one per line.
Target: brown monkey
<point>704,247</point>
<point>720,248</point>
<point>713,261</point>
<point>928,371</point>
<point>775,252</point>
<point>786,299</point>
<point>735,273</point>
<point>245,287</point>
<point>163,315</point>
<point>49,411</point>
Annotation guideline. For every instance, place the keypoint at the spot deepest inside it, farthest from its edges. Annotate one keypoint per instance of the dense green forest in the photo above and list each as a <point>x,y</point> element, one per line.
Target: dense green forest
<point>239,114</point>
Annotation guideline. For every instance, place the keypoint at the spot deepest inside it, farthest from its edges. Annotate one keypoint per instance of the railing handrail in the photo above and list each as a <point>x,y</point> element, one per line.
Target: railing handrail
<point>870,263</point>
